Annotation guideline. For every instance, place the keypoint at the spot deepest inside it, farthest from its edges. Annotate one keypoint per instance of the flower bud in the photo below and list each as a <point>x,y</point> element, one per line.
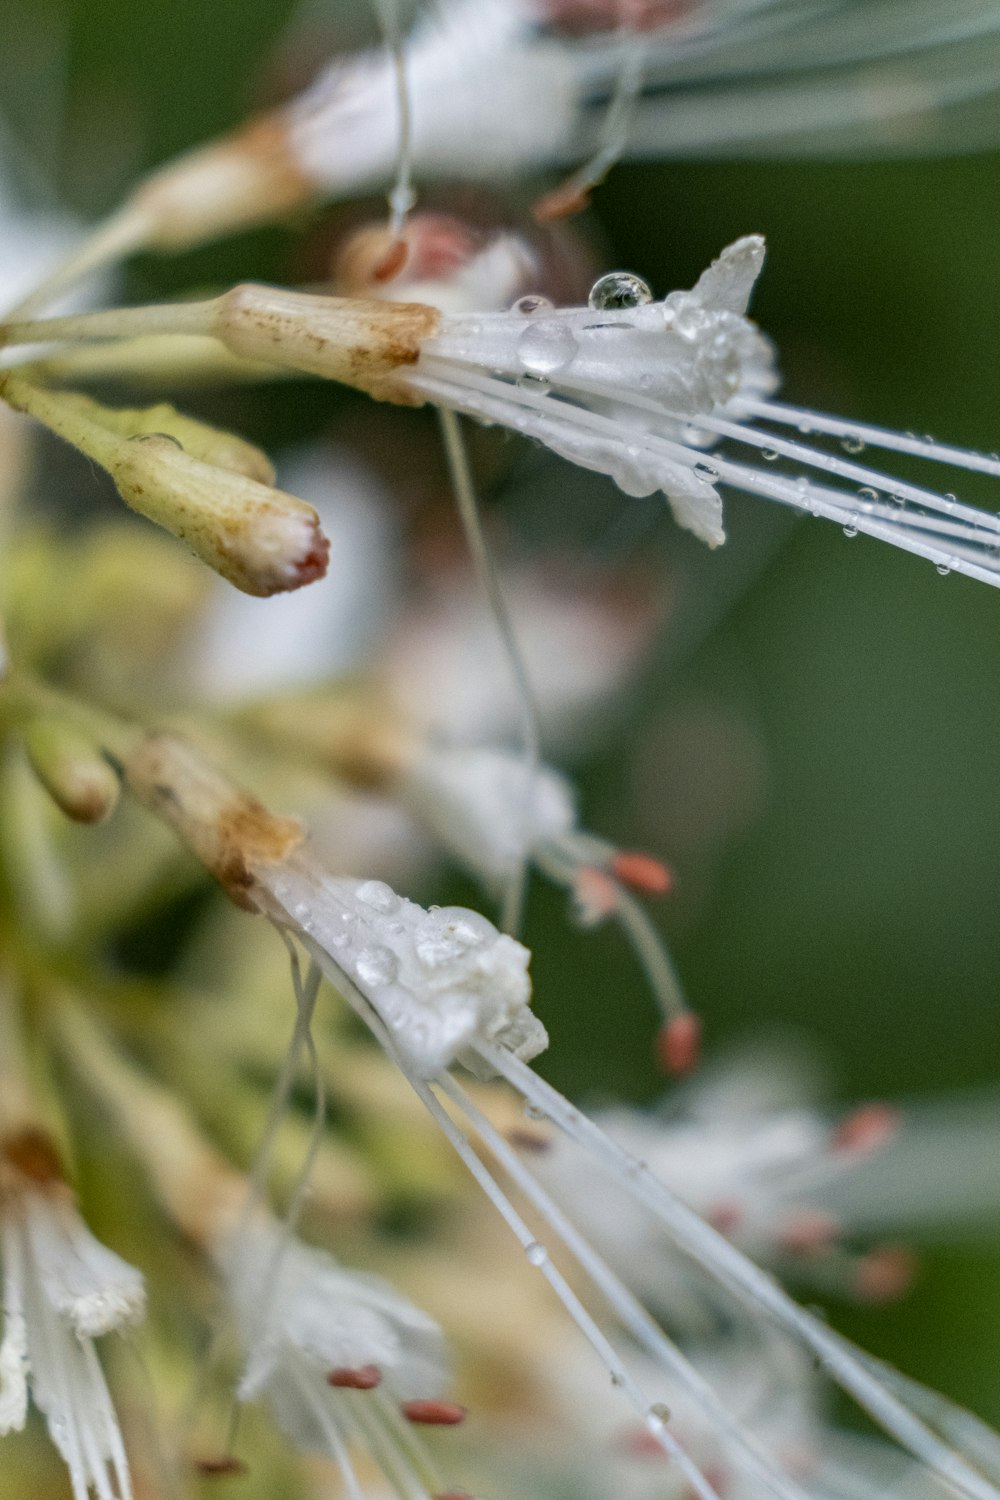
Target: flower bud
<point>212,445</point>
<point>72,769</point>
<point>260,539</point>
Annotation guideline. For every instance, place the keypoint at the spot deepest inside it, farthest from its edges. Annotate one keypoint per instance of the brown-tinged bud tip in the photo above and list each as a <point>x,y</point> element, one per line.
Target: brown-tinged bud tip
<point>260,539</point>
<point>72,769</point>
<point>678,1043</point>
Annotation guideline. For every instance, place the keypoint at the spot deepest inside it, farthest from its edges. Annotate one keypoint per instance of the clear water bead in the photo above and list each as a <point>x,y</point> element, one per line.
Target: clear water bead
<point>706,472</point>
<point>376,966</point>
<point>546,345</point>
<point>379,896</point>
<point>618,290</point>
<point>530,306</point>
<point>659,1414</point>
<point>852,444</point>
<point>536,1253</point>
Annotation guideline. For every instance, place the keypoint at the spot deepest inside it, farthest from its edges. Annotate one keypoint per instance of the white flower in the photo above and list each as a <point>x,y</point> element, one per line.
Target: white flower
<point>339,1356</point>
<point>641,390</point>
<point>495,814</point>
<point>444,982</point>
<point>61,1290</point>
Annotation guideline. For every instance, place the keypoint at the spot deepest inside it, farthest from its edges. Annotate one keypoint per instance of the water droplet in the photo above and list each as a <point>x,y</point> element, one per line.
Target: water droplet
<point>659,1413</point>
<point>950,501</point>
<point>929,438</point>
<point>868,497</point>
<point>378,895</point>
<point>528,307</point>
<point>618,290</point>
<point>806,428</point>
<point>897,500</point>
<point>448,933</point>
<point>706,472</point>
<point>546,345</point>
<point>944,568</point>
<point>851,529</point>
<point>376,966</point>
<point>536,383</point>
<point>852,444</point>
<point>769,455</point>
<point>536,1254</point>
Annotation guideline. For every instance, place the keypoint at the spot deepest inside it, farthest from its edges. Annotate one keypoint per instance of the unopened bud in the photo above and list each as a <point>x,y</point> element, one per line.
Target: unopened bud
<point>260,539</point>
<point>212,445</point>
<point>72,769</point>
<point>359,342</point>
<point>224,826</point>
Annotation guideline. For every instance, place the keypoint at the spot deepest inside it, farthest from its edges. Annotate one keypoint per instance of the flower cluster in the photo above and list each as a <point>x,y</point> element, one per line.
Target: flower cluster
<point>289,1169</point>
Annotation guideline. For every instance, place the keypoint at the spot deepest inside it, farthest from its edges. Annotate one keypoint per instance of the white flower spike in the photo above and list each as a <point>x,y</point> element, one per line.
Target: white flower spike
<point>445,987</point>
<point>61,1290</point>
<point>640,390</point>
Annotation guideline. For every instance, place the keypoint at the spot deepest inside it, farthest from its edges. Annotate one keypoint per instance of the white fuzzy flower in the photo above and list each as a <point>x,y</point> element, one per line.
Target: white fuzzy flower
<point>61,1290</point>
<point>341,1358</point>
<point>444,982</point>
<point>643,390</point>
<point>500,86</point>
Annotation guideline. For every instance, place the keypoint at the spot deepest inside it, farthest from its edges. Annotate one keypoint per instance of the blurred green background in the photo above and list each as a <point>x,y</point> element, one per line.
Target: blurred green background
<point>816,742</point>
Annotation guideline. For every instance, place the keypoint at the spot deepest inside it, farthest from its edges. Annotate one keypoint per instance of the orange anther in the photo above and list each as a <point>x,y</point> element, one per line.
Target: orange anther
<point>866,1129</point>
<point>363,1378</point>
<point>433,1413</point>
<point>641,872</point>
<point>678,1043</point>
<point>884,1274</point>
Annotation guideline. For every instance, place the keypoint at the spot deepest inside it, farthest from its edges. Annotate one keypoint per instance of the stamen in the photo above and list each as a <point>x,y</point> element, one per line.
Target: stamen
<point>678,1044</point>
<point>641,872</point>
<point>885,1274</point>
<point>364,1378</point>
<point>746,1281</point>
<point>867,1129</point>
<point>468,510</point>
<point>427,1413</point>
<point>226,1467</point>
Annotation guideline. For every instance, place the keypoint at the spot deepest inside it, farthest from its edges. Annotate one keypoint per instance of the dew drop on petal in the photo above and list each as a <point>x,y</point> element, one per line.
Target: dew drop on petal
<point>851,529</point>
<point>950,501</point>
<point>706,472</point>
<point>530,306</point>
<point>769,455</point>
<point>618,290</point>
<point>536,1253</point>
<point>852,444</point>
<point>659,1413</point>
<point>546,345</point>
<point>868,498</point>
<point>379,896</point>
<point>376,966</point>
